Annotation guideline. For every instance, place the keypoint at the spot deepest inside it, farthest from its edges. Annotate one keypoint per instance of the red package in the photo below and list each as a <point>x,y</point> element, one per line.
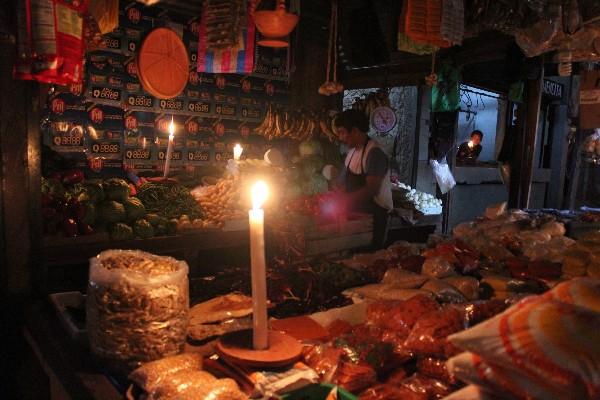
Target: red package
<point>400,316</point>
<point>434,368</point>
<point>431,388</point>
<point>355,377</point>
<point>478,311</point>
<point>390,392</point>
<point>324,359</point>
<point>428,336</point>
<point>50,40</point>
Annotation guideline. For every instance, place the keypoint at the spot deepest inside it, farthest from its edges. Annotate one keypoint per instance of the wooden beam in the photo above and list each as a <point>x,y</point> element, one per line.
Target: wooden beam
<point>534,98</point>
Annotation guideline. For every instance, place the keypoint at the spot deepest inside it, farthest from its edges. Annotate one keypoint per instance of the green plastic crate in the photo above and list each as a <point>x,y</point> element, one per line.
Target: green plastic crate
<point>318,392</point>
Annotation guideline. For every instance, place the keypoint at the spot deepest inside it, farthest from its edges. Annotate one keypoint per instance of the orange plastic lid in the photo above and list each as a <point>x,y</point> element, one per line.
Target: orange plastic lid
<point>163,64</point>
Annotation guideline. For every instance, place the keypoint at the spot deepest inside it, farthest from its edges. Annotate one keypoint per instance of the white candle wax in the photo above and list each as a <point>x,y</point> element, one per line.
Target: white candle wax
<point>259,280</point>
<point>237,151</point>
<point>169,149</point>
<point>258,268</point>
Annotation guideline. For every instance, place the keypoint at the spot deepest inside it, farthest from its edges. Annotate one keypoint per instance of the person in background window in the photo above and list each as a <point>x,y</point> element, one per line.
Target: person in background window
<point>365,178</point>
<point>469,151</point>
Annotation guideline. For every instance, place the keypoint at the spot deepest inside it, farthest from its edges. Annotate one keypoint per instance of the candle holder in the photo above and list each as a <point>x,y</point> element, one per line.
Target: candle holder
<point>259,346</point>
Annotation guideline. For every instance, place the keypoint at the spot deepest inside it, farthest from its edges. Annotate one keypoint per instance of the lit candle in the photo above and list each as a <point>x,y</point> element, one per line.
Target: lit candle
<point>169,148</point>
<point>237,151</point>
<point>470,144</point>
<point>259,275</point>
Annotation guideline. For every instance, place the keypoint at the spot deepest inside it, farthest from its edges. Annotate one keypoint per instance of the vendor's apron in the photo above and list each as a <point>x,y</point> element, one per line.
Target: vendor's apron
<point>355,182</point>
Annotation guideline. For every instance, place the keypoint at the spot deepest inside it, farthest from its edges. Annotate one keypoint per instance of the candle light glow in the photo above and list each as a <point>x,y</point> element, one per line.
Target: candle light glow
<point>470,144</point>
<point>260,192</point>
<point>237,151</point>
<point>169,148</point>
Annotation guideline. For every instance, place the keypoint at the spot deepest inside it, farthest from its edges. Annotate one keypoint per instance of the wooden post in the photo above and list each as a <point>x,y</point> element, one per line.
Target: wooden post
<point>534,98</point>
<point>20,162</point>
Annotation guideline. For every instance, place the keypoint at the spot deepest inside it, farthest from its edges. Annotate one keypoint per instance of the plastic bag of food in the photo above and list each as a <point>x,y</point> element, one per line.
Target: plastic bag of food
<point>478,311</point>
<point>434,368</point>
<point>151,374</point>
<point>495,211</point>
<point>507,383</point>
<point>402,315</point>
<point>466,285</point>
<point>390,392</point>
<point>380,291</point>
<point>355,377</point>
<point>412,263</point>
<point>575,262</point>
<point>593,267</point>
<point>438,267</point>
<point>428,336</point>
<point>137,308</point>
<point>582,292</point>
<point>403,279</point>
<point>324,359</point>
<point>432,388</point>
<point>551,342</point>
<point>444,292</point>
<point>178,382</point>
<point>197,389</point>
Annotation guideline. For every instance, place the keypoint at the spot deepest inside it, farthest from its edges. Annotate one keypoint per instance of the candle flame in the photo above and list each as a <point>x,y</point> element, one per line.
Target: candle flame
<point>260,192</point>
<point>171,129</point>
<point>470,144</point>
<point>237,151</point>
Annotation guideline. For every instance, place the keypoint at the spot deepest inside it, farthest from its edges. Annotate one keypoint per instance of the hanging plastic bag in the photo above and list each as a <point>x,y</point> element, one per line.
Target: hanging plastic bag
<point>50,41</point>
<point>443,176</point>
<point>106,14</point>
<point>445,94</point>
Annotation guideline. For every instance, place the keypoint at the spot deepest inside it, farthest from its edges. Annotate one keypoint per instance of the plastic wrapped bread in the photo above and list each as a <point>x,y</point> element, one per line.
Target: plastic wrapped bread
<point>403,279</point>
<point>553,343</point>
<point>443,291</point>
<point>152,374</point>
<point>466,285</point>
<point>380,291</point>
<point>137,308</point>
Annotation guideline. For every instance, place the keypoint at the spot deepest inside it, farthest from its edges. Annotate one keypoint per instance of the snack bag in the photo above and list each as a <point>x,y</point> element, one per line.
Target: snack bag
<point>400,316</point>
<point>550,342</point>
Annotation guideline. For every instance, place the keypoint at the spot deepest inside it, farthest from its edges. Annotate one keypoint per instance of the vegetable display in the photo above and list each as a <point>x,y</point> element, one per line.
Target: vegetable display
<point>168,200</point>
<point>221,202</point>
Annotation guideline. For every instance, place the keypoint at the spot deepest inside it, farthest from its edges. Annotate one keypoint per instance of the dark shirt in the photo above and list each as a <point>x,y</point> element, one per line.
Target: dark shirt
<point>466,153</point>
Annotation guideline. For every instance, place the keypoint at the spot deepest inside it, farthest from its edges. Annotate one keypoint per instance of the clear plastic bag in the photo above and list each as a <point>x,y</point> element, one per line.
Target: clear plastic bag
<point>443,176</point>
<point>137,308</point>
<point>428,336</point>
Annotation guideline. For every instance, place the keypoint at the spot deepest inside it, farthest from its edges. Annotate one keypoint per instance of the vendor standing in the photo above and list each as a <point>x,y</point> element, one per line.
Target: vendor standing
<point>365,178</point>
<point>469,151</point>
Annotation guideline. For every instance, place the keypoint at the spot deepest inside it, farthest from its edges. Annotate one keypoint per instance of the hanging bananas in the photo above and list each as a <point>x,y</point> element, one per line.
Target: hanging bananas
<point>297,125</point>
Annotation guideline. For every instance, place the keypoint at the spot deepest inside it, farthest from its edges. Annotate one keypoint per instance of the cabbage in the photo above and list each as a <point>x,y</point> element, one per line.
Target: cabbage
<point>111,211</point>
<point>134,209</point>
<point>315,184</point>
<point>94,191</point>
<point>143,229</point>
<point>121,231</point>
<point>116,189</point>
<point>310,148</point>
<point>311,165</point>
